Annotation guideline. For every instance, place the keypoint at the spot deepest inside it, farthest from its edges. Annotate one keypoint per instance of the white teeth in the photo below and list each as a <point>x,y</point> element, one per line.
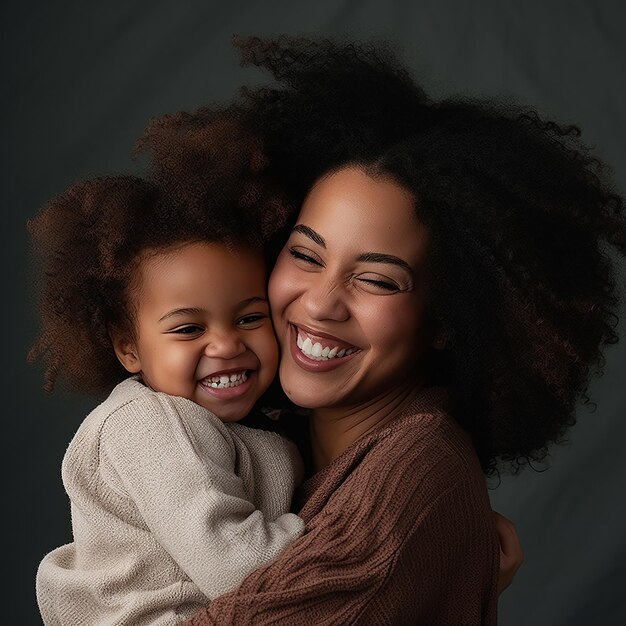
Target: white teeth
<point>317,352</point>
<point>225,381</point>
<point>307,346</point>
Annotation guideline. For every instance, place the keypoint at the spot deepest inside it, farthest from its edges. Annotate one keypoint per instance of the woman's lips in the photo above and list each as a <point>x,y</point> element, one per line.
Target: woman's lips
<point>318,352</point>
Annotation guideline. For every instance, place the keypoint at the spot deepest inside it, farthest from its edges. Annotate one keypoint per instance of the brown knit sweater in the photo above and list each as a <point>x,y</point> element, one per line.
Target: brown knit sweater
<point>399,530</point>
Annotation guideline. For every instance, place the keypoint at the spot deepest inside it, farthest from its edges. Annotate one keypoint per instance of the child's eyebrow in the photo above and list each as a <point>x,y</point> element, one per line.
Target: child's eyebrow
<point>182,311</point>
<point>196,311</point>
<point>254,300</point>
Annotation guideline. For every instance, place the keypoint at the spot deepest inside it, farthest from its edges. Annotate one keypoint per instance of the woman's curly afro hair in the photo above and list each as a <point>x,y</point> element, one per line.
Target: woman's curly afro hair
<point>526,227</point>
<point>89,240</point>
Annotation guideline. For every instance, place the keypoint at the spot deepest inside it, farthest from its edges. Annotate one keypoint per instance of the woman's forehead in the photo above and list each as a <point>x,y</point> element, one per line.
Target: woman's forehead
<point>350,207</point>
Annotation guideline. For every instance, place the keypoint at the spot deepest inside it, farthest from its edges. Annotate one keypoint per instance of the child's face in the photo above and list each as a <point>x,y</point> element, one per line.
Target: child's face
<point>203,329</point>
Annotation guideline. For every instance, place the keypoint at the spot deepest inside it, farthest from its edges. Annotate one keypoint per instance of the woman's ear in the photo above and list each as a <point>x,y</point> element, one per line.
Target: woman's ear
<point>125,351</point>
<point>438,338</point>
<point>439,341</point>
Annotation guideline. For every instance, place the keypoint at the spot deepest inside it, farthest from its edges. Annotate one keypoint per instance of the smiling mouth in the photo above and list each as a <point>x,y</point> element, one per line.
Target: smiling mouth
<point>321,348</point>
<point>225,381</point>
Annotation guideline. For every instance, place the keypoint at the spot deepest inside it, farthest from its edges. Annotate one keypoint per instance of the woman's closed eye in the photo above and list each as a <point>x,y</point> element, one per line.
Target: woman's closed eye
<point>305,256</point>
<point>377,283</point>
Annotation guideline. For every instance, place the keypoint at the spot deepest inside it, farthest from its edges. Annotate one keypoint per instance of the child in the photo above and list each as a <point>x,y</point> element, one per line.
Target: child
<point>172,502</point>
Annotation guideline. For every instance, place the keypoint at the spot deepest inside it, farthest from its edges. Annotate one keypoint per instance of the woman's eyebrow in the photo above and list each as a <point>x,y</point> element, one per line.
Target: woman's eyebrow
<point>378,257</point>
<point>310,233</point>
<point>372,257</point>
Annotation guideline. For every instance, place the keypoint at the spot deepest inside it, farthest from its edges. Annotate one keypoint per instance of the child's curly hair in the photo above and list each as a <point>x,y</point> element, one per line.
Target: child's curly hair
<point>88,243</point>
<point>522,217</point>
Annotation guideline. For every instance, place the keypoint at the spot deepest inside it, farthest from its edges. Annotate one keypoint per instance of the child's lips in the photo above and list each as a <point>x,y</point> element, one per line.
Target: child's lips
<point>222,380</point>
<point>221,367</point>
<point>228,372</point>
<point>227,385</point>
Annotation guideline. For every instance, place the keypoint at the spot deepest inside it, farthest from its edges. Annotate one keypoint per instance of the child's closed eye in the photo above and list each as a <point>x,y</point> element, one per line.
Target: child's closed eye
<point>253,319</point>
<point>187,329</point>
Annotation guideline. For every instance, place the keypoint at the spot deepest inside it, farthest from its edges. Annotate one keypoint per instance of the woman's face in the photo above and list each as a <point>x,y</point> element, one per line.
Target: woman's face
<point>347,293</point>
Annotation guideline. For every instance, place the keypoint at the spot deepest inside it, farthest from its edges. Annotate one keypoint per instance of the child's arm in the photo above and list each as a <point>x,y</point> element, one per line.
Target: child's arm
<point>394,536</point>
<point>176,461</point>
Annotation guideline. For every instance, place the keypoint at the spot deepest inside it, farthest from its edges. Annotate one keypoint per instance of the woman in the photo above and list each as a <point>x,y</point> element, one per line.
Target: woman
<point>441,302</point>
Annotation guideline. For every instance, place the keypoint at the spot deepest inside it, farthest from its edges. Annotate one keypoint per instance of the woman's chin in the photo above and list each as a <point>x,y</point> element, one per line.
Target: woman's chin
<point>305,393</point>
<point>315,384</point>
<point>304,398</point>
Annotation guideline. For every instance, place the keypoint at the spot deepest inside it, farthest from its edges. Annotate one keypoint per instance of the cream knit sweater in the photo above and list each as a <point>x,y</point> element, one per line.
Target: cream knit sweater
<point>170,508</point>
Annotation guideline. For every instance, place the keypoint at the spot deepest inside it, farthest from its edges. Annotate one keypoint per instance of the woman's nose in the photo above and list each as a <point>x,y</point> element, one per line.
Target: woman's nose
<point>224,345</point>
<point>325,299</point>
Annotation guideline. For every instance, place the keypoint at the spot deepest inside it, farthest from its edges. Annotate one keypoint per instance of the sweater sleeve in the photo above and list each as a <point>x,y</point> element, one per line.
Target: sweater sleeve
<point>176,462</point>
<point>400,542</point>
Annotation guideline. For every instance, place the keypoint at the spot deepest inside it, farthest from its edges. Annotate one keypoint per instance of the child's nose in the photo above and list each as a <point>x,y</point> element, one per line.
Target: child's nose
<point>225,345</point>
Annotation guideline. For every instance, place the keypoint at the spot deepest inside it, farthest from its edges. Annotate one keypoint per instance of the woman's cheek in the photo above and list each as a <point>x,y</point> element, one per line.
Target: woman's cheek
<point>282,288</point>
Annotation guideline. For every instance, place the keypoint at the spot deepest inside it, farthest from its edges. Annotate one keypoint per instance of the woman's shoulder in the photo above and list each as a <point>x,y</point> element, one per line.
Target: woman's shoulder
<point>427,433</point>
<point>412,483</point>
<point>418,457</point>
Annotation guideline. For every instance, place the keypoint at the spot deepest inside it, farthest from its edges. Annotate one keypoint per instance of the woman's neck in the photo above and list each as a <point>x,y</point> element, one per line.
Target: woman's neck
<point>334,430</point>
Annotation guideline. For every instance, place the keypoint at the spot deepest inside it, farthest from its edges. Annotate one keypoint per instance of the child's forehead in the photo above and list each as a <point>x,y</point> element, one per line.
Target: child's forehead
<point>208,273</point>
<point>195,252</point>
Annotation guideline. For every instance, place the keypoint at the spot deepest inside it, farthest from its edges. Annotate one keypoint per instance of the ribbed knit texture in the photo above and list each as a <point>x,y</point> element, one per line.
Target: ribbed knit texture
<point>399,531</point>
<point>170,508</point>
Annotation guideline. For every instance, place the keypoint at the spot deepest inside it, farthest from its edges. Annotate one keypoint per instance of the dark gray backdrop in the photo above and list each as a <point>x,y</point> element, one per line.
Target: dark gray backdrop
<point>80,83</point>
